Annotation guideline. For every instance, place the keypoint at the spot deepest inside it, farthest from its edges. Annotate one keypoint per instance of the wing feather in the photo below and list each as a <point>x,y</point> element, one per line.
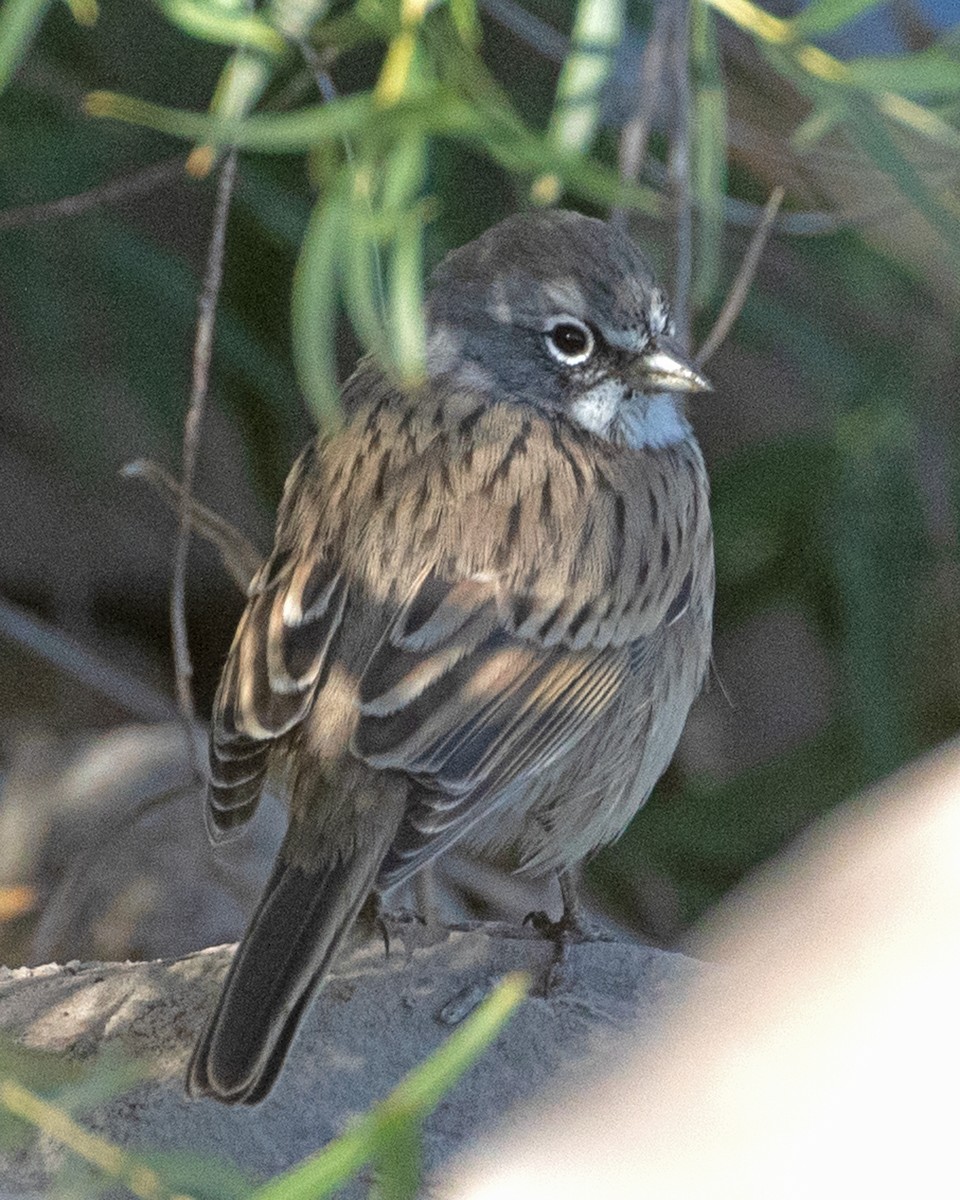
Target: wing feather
<point>270,678</point>
<point>460,701</point>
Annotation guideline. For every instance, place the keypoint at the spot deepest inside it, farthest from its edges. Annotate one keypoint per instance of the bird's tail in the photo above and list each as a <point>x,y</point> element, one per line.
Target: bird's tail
<point>299,923</point>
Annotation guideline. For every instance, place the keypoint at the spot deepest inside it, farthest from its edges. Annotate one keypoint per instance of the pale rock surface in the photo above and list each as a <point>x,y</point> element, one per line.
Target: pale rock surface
<point>376,1019</point>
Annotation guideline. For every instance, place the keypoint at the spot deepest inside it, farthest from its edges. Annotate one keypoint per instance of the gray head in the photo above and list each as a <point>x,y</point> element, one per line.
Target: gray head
<point>562,311</point>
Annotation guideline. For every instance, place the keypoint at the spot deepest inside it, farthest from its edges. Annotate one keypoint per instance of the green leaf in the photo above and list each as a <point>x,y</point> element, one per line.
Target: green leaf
<point>111,1074</point>
<point>198,1176</point>
<point>84,12</point>
<point>709,141</point>
<point>44,1069</point>
<point>362,284</point>
<point>821,122</point>
<point>487,127</point>
<point>519,151</point>
<point>386,1129</point>
<point>278,134</point>
<point>295,18</point>
<point>215,24</point>
<point>403,179</point>
<point>928,72</point>
<point>399,1162</point>
<point>465,18</point>
<point>115,1162</point>
<point>598,28</point>
<point>426,1085</point>
<point>19,21</point>
<point>314,305</point>
<point>871,133</point>
<point>824,16</point>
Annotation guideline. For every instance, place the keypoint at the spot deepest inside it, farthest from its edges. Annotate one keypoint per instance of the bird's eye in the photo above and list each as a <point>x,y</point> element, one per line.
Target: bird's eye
<point>570,342</point>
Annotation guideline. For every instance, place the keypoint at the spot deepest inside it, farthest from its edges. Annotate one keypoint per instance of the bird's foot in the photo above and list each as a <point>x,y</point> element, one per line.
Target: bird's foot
<point>387,922</point>
<point>571,929</point>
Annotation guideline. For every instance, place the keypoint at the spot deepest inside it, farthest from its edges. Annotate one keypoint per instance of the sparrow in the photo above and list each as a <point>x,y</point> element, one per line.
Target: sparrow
<point>486,614</point>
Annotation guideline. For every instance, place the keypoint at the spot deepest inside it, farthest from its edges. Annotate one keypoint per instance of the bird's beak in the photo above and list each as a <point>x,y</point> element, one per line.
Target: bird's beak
<point>663,368</point>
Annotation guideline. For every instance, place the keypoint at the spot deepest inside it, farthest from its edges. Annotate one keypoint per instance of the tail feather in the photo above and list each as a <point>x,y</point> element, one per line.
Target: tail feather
<point>281,961</point>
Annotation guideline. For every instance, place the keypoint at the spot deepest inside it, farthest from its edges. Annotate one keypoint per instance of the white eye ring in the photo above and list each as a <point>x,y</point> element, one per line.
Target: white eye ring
<point>570,341</point>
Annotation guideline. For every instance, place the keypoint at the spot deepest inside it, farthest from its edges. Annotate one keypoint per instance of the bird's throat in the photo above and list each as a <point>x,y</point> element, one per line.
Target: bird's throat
<point>643,422</point>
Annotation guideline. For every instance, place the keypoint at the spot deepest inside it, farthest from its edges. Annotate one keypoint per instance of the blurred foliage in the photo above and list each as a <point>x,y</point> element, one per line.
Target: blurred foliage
<point>376,135</point>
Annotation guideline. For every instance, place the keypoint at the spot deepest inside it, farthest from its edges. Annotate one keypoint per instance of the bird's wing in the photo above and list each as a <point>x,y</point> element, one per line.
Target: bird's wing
<point>454,697</point>
<point>296,602</point>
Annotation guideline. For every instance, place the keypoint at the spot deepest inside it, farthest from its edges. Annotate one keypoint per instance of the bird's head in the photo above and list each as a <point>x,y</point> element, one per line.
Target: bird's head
<point>562,312</point>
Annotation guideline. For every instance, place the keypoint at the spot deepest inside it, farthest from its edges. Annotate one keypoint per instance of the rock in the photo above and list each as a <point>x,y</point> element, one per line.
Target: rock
<point>376,1018</point>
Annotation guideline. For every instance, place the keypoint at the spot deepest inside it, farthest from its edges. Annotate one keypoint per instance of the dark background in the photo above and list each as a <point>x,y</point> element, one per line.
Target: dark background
<point>832,441</point>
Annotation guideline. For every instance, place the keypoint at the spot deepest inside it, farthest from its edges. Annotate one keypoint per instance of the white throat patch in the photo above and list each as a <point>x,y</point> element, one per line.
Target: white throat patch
<point>640,421</point>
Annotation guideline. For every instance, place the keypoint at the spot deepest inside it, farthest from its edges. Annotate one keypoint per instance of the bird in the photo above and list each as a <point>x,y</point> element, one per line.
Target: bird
<point>487,611</point>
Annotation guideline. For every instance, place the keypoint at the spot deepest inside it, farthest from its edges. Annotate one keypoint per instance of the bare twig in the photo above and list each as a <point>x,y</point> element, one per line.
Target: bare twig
<point>134,184</point>
<point>321,76</point>
<point>741,285</point>
<point>813,222</point>
<point>240,557</point>
<point>202,351</point>
<point>636,132</point>
<point>678,166</point>
<point>548,42</point>
<point>71,658</point>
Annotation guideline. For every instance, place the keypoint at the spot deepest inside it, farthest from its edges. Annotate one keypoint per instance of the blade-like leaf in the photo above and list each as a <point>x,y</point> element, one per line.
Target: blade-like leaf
<point>19,21</point>
<point>821,122</point>
<point>874,138</point>
<point>314,306</point>
<point>362,287</point>
<point>436,112</point>
<point>597,31</point>
<point>212,23</point>
<point>931,72</point>
<point>241,84</point>
<point>270,133</point>
<point>466,19</point>
<point>403,180</point>
<point>413,1100</point>
<point>824,16</point>
<point>115,1162</point>
<point>399,1163</point>
<point>295,18</point>
<point>709,142</point>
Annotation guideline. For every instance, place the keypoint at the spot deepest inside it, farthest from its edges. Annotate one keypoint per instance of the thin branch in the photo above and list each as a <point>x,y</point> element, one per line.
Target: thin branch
<point>202,351</point>
<point>134,184</point>
<point>72,658</point>
<point>737,295</point>
<point>241,559</point>
<point>813,222</point>
<point>321,76</point>
<point>548,42</point>
<point>678,166</point>
<point>636,132</point>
